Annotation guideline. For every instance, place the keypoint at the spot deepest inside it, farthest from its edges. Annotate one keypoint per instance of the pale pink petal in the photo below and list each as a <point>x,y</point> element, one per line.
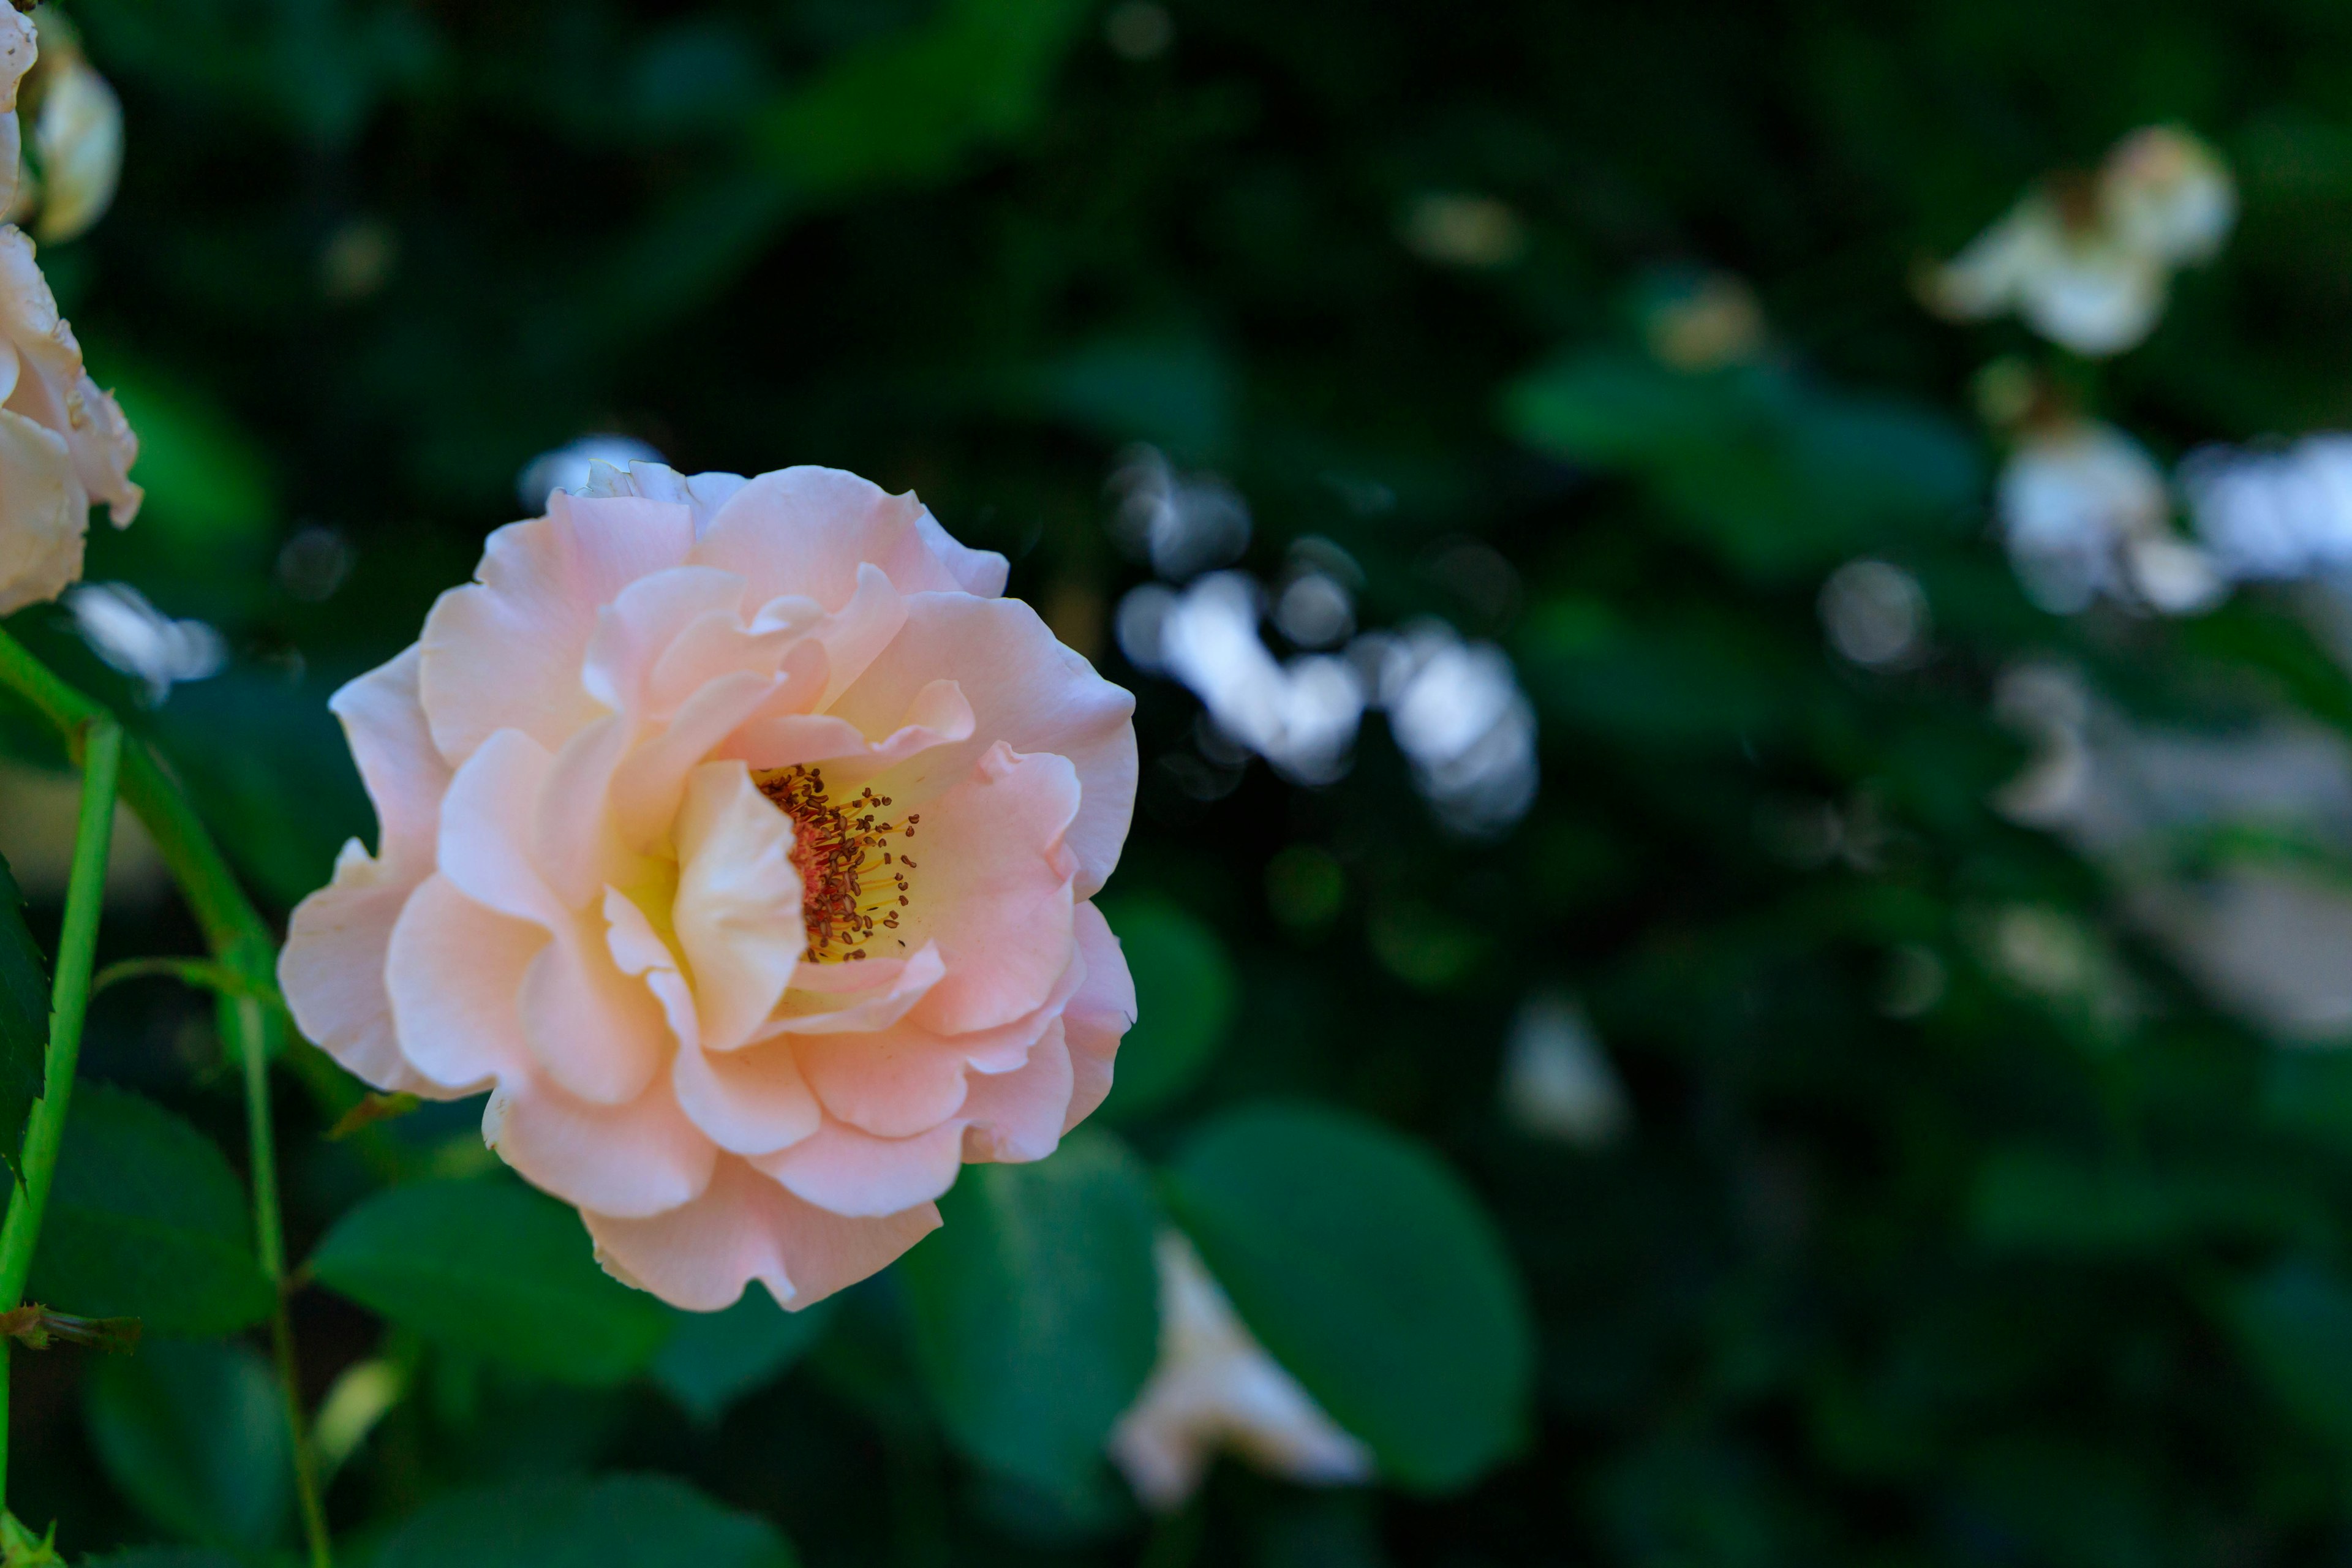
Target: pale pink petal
<point>54,391</point>
<point>571,841</point>
<point>807,531</point>
<point>648,787</point>
<point>1025,689</point>
<point>639,1159</point>
<point>938,716</point>
<point>597,1033</point>
<point>405,777</point>
<point>848,1172</point>
<point>745,1227</point>
<point>332,972</point>
<point>861,629</point>
<point>42,516</point>
<point>738,914</point>
<point>455,973</point>
<point>908,978</point>
<point>1006,1046</point>
<point>751,1101</point>
<point>506,651</point>
<point>643,625</point>
<point>1014,1117</point>
<point>981,572</point>
<point>486,829</point>
<point>992,887</point>
<point>1098,1016</point>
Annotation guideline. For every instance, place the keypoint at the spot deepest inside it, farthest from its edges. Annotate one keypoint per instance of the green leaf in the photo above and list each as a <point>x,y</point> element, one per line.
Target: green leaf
<point>1185,994</point>
<point>614,1521</point>
<point>195,1435</point>
<point>2030,1199</point>
<point>1372,1274</point>
<point>1037,1309</point>
<point>23,1019</point>
<point>166,1557</point>
<point>496,1268</point>
<point>147,1220</point>
<point>2293,1325</point>
<point>208,486</point>
<point>713,1358</point>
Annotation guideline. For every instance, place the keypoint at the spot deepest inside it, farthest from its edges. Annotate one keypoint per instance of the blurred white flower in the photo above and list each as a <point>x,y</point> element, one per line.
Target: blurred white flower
<point>1301,717</point>
<point>2087,266</point>
<point>1705,323</point>
<point>2084,511</point>
<point>1463,228</point>
<point>77,135</point>
<point>1182,523</point>
<point>1457,714</point>
<point>134,636</point>
<point>1557,1081</point>
<point>1215,1387</point>
<point>1876,613</point>
<point>2273,515</point>
<point>1315,610</point>
<point>2049,705</point>
<point>566,468</point>
<point>2166,195</point>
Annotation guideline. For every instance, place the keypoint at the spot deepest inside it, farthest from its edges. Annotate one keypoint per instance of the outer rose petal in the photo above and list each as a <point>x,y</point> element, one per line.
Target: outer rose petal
<point>639,1159</point>
<point>847,1172</point>
<point>40,525</point>
<point>332,970</point>
<point>455,972</point>
<point>506,651</point>
<point>807,530</point>
<point>52,388</point>
<point>745,1227</point>
<point>1026,690</point>
<point>1096,1018</point>
<point>993,888</point>
<point>1016,1117</point>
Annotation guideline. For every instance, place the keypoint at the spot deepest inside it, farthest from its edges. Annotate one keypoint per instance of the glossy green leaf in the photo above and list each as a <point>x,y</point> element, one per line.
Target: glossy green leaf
<point>23,1019</point>
<point>713,1358</point>
<point>496,1268</point>
<point>614,1521</point>
<point>1036,1311</point>
<point>147,1220</point>
<point>1372,1274</point>
<point>1184,995</point>
<point>195,1435</point>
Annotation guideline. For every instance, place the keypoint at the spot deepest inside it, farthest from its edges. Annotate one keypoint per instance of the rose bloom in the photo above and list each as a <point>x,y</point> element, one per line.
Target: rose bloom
<point>738,839</point>
<point>63,442</point>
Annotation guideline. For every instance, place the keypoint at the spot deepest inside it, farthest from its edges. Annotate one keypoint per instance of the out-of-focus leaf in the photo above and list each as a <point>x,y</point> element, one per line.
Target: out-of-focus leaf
<point>146,1220</point>
<point>2293,1325</point>
<point>713,1358</point>
<point>907,108</point>
<point>613,1521</point>
<point>492,1267</point>
<point>1185,994</point>
<point>195,1435</point>
<point>1781,477</point>
<point>166,1557</point>
<point>1037,1309</point>
<point>1373,1275</point>
<point>2030,1199</point>
<point>24,1020</point>
<point>1176,393</point>
<point>208,486</point>
<point>269,766</point>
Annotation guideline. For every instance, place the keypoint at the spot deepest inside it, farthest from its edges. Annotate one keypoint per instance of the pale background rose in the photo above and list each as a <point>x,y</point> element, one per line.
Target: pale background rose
<point>63,442</point>
<point>1215,1388</point>
<point>614,779</point>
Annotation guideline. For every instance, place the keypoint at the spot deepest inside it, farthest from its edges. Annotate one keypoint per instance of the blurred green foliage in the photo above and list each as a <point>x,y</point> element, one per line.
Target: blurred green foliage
<point>1995,1278</point>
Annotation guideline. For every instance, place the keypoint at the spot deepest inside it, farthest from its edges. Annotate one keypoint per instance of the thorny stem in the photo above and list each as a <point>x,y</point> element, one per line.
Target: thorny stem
<point>241,941</point>
<point>45,1127</point>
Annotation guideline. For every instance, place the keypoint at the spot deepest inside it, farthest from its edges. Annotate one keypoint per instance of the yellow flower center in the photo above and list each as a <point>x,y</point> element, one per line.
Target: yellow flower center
<point>852,860</point>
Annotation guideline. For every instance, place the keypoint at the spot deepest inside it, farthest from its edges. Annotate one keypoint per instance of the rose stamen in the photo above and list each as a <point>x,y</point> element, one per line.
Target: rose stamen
<point>851,888</point>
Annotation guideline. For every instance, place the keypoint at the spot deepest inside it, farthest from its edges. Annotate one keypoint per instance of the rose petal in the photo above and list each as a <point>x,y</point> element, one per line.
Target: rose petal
<point>635,1160</point>
<point>454,973</point>
<point>738,914</point>
<point>1025,689</point>
<point>745,1227</point>
<point>1014,1117</point>
<point>751,1101</point>
<point>1101,1012</point>
<point>848,1172</point>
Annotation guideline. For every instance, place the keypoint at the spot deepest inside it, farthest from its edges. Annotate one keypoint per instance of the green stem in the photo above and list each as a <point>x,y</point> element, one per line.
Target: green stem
<point>241,941</point>
<point>44,1129</point>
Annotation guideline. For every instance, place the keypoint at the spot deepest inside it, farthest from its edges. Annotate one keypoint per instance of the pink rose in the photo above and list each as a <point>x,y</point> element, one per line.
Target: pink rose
<point>740,840</point>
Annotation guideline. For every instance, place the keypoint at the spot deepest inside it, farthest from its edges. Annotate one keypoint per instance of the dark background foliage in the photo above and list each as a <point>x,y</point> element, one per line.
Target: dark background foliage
<point>1997,1284</point>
